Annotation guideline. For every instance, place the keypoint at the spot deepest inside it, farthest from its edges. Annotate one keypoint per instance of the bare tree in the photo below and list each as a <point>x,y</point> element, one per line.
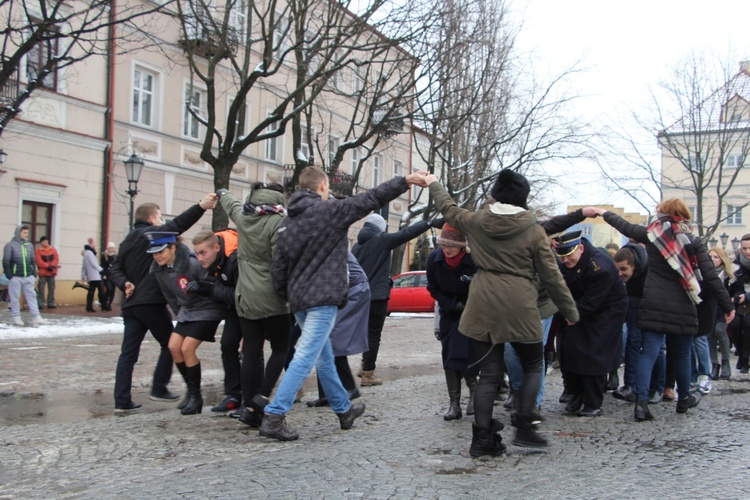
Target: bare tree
<point>44,37</point>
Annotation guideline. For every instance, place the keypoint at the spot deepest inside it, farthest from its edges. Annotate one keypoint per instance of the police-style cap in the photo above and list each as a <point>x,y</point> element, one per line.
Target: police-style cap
<point>566,244</point>
<point>158,240</point>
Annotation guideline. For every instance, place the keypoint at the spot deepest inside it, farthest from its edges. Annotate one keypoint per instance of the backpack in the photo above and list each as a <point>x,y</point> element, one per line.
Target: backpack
<point>231,240</point>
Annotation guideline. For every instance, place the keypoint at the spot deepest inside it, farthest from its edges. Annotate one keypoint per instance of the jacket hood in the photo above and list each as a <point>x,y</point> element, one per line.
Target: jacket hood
<point>266,197</point>
<point>641,259</point>
<point>368,231</point>
<point>501,221</point>
<point>302,200</point>
<point>17,234</point>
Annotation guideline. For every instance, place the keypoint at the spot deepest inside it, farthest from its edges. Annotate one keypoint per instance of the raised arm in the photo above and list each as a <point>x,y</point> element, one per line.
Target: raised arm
<point>633,231</point>
<point>231,205</point>
<point>560,223</point>
<point>456,216</point>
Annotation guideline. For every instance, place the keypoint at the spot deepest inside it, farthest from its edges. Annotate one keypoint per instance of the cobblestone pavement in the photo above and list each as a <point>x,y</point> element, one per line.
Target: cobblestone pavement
<point>59,437</point>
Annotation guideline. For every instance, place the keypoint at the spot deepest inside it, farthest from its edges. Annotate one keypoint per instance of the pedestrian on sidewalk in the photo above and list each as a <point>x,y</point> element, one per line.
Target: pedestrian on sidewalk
<point>144,307</point>
<point>91,272</point>
<point>310,272</point>
<point>108,258</point>
<point>723,266</point>
<point>19,266</point>
<point>47,262</point>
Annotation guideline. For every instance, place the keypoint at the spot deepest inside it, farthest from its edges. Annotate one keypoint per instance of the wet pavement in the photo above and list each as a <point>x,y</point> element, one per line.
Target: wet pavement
<point>59,436</point>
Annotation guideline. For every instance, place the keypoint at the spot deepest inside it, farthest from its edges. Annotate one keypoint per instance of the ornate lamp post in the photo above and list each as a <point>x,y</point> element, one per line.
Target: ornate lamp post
<point>133,169</point>
<point>735,243</point>
<point>724,238</point>
<point>712,243</point>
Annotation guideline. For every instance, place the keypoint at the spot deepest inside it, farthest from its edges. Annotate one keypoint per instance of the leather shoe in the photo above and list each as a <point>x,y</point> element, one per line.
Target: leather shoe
<point>346,420</point>
<point>565,397</point>
<point>166,397</point>
<point>251,418</point>
<point>574,404</point>
<point>683,405</point>
<point>590,413</point>
<point>317,403</point>
<point>624,393</point>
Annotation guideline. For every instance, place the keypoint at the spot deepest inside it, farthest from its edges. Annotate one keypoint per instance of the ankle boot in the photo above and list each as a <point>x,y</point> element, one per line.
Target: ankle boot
<point>369,379</point>
<point>642,411</point>
<point>274,426</point>
<point>715,371</point>
<point>613,382</point>
<point>526,435</point>
<point>471,383</point>
<point>684,404</point>
<point>183,371</point>
<point>485,442</point>
<point>195,399</point>
<point>453,381</point>
<point>726,370</point>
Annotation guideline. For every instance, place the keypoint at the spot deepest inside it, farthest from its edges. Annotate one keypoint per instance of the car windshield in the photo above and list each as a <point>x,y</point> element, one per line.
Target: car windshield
<point>405,281</point>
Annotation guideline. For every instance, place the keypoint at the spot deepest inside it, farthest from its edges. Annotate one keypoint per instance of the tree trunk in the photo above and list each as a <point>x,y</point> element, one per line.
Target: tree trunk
<point>219,219</point>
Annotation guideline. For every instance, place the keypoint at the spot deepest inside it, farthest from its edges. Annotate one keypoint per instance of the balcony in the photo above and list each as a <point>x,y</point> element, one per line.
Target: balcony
<point>388,127</point>
<point>204,37</point>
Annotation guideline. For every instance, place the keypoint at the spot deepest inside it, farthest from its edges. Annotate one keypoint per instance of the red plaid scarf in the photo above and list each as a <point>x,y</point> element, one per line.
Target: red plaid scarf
<point>670,236</point>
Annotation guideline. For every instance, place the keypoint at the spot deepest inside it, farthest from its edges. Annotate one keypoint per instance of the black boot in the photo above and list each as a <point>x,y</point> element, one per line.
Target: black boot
<point>90,303</point>
<point>613,382</point>
<point>453,380</point>
<point>471,383</point>
<point>183,371</point>
<point>726,370</point>
<point>715,371</point>
<point>689,402</point>
<point>274,426</point>
<point>575,403</point>
<point>195,399</point>
<point>642,411</point>
<point>526,435</point>
<point>485,442</point>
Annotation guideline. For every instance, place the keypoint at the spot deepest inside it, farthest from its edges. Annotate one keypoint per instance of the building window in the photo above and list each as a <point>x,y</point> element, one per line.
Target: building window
<point>735,161</point>
<point>358,82</point>
<point>143,97</point>
<point>238,19</point>
<point>734,215</point>
<point>195,101</point>
<point>397,168</point>
<point>377,165</point>
<point>303,145</point>
<point>337,78</point>
<point>273,144</point>
<point>333,147</point>
<point>280,36</point>
<point>354,161</point>
<point>40,60</point>
<point>38,216</point>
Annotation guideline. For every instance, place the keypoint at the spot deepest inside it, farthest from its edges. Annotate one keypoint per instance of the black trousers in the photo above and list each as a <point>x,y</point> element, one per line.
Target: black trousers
<point>491,373</point>
<point>94,286</point>
<point>591,387</point>
<point>230,354</point>
<point>138,320</point>
<point>254,333</point>
<point>378,312</point>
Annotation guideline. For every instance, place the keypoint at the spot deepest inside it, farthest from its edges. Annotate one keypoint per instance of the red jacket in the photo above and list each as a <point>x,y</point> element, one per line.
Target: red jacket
<point>47,260</point>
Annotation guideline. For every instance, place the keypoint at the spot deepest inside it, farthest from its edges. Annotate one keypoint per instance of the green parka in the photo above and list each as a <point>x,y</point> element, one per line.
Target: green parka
<point>510,249</point>
<point>254,295</point>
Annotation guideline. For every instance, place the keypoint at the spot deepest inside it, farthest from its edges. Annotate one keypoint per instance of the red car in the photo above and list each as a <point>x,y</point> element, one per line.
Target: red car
<point>409,293</point>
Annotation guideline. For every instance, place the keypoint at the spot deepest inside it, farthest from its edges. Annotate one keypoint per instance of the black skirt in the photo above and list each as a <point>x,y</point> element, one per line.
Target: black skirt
<point>201,330</point>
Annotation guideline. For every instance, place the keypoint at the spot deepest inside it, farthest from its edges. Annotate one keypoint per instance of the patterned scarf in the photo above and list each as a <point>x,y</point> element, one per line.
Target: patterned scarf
<point>670,236</point>
<point>249,208</point>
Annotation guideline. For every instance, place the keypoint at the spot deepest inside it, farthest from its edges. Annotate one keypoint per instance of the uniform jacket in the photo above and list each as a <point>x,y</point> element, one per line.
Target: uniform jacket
<point>373,252</point>
<point>509,249</point>
<point>19,257</point>
<point>47,260</point>
<point>349,334</point>
<point>172,282</point>
<point>133,263</point>
<point>255,297</point>
<point>90,269</point>
<point>309,264</point>
<point>666,307</point>
<point>593,345</point>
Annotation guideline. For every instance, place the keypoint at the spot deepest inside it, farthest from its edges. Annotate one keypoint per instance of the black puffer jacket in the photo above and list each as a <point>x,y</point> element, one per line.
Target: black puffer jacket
<point>373,252</point>
<point>666,307</point>
<point>636,282</point>
<point>133,263</point>
<point>309,263</point>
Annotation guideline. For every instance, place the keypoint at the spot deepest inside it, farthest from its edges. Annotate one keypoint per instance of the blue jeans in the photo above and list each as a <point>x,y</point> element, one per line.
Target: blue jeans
<point>513,364</point>
<point>314,349</point>
<point>632,348</point>
<point>659,373</point>
<point>701,358</point>
<point>680,347</point>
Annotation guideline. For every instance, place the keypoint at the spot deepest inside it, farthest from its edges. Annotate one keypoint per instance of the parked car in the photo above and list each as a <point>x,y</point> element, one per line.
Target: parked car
<point>409,293</point>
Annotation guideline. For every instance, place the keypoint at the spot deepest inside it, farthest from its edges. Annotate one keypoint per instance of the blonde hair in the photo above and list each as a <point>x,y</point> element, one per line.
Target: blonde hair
<point>726,262</point>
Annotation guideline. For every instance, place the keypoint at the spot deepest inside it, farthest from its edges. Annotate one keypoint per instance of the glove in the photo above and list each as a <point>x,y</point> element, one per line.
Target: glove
<point>50,268</point>
<point>437,334</point>
<point>459,307</point>
<point>201,288</point>
<point>437,222</point>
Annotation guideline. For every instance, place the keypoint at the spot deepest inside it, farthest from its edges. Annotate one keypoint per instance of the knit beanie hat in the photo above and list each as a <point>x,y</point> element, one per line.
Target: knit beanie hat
<point>450,236</point>
<point>511,188</point>
<point>377,220</point>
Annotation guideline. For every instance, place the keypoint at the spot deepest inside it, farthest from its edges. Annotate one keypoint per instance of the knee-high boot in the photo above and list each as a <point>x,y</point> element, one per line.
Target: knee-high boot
<point>183,371</point>
<point>471,383</point>
<point>453,381</point>
<point>195,399</point>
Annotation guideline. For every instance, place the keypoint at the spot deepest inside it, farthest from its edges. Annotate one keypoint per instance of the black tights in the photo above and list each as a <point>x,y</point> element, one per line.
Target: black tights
<point>254,334</point>
<point>490,375</point>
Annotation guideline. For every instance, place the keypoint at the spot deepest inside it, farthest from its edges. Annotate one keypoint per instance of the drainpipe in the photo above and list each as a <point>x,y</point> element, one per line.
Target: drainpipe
<point>109,125</point>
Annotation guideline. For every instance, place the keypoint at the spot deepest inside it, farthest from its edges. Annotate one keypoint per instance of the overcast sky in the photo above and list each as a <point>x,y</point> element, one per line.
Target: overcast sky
<point>625,47</point>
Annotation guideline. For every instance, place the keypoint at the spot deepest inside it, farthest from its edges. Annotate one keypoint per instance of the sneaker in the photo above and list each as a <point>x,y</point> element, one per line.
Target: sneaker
<point>230,403</point>
<point>655,397</point>
<point>128,408</point>
<point>704,384</point>
<point>17,321</point>
<point>166,397</point>
<point>38,320</point>
<point>238,412</point>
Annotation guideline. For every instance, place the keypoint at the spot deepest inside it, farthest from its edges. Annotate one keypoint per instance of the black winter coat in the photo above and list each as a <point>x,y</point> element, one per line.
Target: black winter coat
<point>224,273</point>
<point>636,282</point>
<point>133,263</point>
<point>666,307</point>
<point>451,292</point>
<point>373,252</point>
<point>593,345</point>
<point>309,264</point>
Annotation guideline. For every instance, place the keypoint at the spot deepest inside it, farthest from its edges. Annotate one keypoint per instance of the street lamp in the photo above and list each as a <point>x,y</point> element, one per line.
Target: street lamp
<point>712,243</point>
<point>3,156</point>
<point>735,243</point>
<point>133,169</point>
<point>724,238</point>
